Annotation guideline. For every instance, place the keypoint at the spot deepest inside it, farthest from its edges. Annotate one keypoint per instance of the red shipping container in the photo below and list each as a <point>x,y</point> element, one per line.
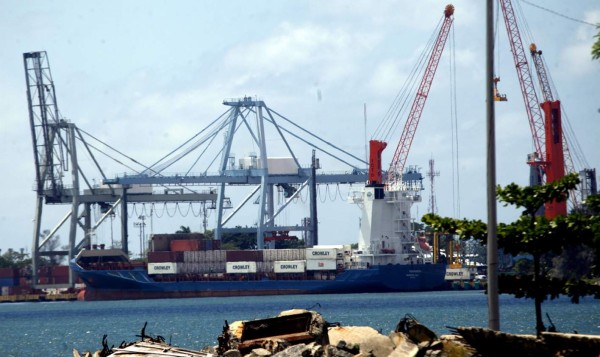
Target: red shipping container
<point>61,270</point>
<point>165,257</point>
<point>61,280</point>
<point>244,256</point>
<point>185,245</point>
<point>9,272</point>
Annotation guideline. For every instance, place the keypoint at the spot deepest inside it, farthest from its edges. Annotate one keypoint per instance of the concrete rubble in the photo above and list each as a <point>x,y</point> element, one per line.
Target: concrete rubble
<point>303,333</point>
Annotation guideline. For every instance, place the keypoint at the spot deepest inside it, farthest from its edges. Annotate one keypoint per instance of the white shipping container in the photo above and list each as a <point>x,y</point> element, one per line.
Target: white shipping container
<point>219,256</point>
<point>321,264</point>
<point>321,253</point>
<point>270,255</point>
<point>293,254</point>
<point>458,274</point>
<point>162,268</point>
<point>290,266</point>
<point>240,267</point>
<point>281,166</point>
<point>189,257</point>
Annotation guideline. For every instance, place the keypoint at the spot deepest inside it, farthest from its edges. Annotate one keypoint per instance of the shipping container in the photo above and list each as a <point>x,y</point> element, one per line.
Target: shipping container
<point>9,272</point>
<point>244,255</point>
<point>12,281</point>
<point>60,271</point>
<point>162,242</point>
<point>321,264</point>
<point>165,257</point>
<point>272,255</point>
<point>458,274</point>
<point>264,267</point>
<point>241,267</point>
<point>163,268</point>
<point>321,253</point>
<point>290,266</point>
<point>183,245</point>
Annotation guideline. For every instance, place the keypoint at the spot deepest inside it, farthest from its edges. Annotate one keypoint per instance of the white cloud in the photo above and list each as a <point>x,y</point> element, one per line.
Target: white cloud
<point>326,53</point>
<point>577,55</point>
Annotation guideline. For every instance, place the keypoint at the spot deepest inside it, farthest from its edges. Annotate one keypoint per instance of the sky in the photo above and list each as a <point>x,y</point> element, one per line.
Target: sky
<point>145,76</point>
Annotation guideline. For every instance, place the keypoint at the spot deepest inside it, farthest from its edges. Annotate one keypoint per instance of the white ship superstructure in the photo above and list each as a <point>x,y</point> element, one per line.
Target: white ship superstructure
<point>385,235</point>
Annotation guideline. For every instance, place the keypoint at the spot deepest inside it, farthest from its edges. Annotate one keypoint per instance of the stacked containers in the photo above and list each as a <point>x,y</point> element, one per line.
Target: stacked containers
<point>282,261</point>
<point>203,262</point>
<point>321,258</point>
<point>9,277</point>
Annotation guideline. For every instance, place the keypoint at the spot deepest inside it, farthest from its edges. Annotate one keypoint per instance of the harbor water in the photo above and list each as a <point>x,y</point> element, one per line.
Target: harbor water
<point>56,328</point>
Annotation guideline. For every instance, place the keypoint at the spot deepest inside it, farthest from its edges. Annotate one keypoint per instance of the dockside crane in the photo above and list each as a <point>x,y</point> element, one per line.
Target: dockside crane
<point>396,167</point>
<point>536,160</point>
<point>386,233</point>
<point>556,145</point>
<point>552,158</point>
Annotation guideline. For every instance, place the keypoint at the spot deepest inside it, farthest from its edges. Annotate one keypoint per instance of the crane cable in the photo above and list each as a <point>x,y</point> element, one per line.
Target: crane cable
<point>571,141</point>
<point>403,99</point>
<point>454,130</point>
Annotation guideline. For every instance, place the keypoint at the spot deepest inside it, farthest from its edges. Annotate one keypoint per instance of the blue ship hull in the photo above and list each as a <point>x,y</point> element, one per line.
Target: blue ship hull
<point>137,284</point>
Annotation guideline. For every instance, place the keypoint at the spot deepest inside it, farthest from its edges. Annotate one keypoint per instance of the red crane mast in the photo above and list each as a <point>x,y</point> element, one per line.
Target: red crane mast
<point>536,121</point>
<point>394,173</point>
<point>556,146</point>
<point>548,138</point>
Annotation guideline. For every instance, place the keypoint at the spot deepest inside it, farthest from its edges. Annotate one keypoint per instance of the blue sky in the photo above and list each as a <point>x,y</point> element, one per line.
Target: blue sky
<point>146,75</point>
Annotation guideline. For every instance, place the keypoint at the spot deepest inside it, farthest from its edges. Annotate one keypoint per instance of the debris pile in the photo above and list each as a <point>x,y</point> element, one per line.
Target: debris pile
<point>303,333</point>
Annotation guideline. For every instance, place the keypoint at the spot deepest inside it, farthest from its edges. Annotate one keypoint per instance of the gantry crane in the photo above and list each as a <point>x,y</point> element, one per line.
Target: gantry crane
<point>55,154</point>
<point>396,168</point>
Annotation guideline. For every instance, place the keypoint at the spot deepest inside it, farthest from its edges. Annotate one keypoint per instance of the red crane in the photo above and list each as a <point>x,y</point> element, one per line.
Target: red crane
<point>548,138</point>
<point>556,145</point>
<point>536,121</point>
<point>394,173</point>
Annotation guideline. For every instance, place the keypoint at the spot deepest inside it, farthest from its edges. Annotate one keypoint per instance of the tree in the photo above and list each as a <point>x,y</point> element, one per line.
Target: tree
<point>184,229</point>
<point>540,238</point>
<point>15,259</point>
<point>51,245</point>
<point>596,45</point>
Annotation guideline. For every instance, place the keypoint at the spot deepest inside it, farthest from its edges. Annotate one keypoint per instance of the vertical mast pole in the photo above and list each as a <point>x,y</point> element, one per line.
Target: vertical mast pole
<point>492,243</point>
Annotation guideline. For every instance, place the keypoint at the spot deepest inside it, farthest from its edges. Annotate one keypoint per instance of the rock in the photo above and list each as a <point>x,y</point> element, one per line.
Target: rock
<point>316,350</point>
<point>300,350</point>
<point>232,353</point>
<point>259,352</point>
<point>367,338</point>
<point>332,351</point>
<point>275,345</point>
<point>404,346</point>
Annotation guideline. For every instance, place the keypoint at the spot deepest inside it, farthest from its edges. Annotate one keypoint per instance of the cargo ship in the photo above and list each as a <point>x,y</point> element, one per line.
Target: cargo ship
<point>389,258</point>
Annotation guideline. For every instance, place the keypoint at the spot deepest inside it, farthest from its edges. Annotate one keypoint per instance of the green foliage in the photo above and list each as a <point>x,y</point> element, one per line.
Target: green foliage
<point>570,242</point>
<point>289,244</point>
<point>14,259</point>
<point>465,229</point>
<point>238,241</point>
<point>184,229</point>
<point>533,197</point>
<point>523,267</point>
<point>596,45</point>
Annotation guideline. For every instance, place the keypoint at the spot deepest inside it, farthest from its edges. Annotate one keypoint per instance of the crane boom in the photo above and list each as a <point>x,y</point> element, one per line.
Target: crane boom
<point>536,121</point>
<point>558,157</point>
<point>394,173</point>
